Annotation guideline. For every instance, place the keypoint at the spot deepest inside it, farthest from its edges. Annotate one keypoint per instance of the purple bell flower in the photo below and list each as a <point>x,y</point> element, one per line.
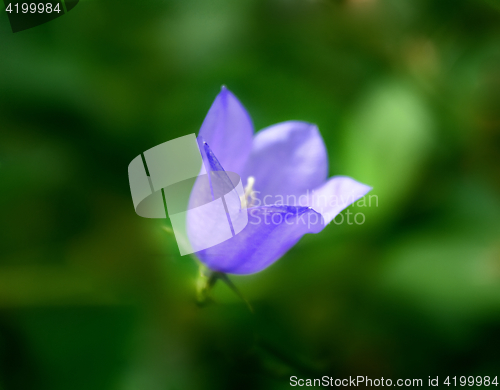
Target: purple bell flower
<point>284,170</point>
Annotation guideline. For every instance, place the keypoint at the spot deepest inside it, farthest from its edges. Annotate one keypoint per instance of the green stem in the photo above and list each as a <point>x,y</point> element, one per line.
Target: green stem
<point>206,282</point>
<point>207,279</point>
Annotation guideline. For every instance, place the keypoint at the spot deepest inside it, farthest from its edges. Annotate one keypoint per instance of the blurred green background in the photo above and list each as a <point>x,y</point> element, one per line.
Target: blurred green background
<point>407,96</point>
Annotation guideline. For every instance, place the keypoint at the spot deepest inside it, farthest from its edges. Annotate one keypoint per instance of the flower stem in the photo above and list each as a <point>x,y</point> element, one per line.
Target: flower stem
<point>207,279</point>
<point>206,282</point>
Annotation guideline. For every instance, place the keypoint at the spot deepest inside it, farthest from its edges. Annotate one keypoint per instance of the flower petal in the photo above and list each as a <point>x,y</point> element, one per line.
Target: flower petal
<point>215,211</point>
<point>270,233</point>
<point>335,195</point>
<point>287,159</point>
<point>228,130</point>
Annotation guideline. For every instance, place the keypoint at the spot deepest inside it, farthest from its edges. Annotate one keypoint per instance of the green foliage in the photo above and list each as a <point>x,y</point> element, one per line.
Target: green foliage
<point>406,95</point>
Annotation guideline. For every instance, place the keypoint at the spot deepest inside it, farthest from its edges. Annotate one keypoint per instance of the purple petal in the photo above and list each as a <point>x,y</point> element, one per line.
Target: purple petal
<point>287,159</point>
<point>228,130</point>
<point>214,204</point>
<point>334,196</point>
<point>270,233</point>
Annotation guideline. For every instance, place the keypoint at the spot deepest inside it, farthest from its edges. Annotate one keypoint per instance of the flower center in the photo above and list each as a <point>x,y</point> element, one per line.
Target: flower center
<point>249,197</point>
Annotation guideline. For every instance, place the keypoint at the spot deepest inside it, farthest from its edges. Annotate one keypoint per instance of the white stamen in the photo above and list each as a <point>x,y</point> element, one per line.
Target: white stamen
<point>248,198</point>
